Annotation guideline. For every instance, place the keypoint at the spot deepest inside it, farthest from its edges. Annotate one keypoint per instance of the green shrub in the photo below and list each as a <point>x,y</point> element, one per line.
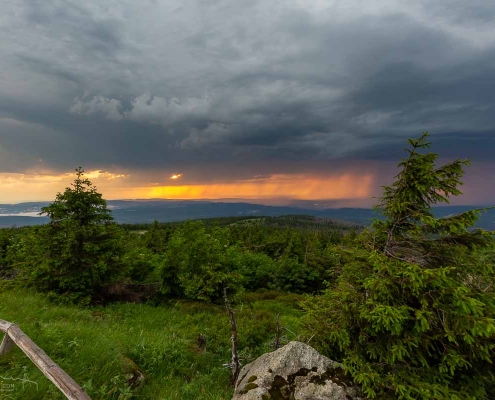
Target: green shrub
<point>197,265</point>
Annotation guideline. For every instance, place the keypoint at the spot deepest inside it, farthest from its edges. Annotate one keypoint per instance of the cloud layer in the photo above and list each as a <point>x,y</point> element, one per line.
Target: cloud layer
<point>228,89</point>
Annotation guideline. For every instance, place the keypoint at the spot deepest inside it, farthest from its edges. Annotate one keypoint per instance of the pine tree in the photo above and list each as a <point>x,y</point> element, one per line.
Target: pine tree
<point>412,315</point>
<point>78,252</point>
<point>407,206</point>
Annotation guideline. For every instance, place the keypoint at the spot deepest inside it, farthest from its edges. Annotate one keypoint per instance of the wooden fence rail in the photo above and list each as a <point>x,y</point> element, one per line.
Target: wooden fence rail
<point>15,336</point>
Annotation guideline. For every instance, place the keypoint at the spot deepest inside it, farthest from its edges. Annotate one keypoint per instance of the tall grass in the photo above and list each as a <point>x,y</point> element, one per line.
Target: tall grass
<point>108,349</point>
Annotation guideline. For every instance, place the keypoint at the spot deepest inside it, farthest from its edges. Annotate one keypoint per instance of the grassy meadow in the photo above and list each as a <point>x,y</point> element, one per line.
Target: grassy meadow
<point>107,349</point>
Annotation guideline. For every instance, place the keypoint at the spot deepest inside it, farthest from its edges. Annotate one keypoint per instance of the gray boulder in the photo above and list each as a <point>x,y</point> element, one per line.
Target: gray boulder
<point>295,371</point>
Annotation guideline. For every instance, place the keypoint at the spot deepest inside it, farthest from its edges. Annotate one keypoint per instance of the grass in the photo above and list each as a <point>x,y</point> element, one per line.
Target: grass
<point>106,349</point>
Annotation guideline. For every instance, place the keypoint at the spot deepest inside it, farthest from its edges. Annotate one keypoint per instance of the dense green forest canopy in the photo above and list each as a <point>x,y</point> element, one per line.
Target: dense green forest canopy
<point>268,253</point>
<point>407,305</point>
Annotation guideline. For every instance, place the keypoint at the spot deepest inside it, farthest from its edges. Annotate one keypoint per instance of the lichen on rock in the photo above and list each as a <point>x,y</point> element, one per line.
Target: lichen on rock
<point>294,372</point>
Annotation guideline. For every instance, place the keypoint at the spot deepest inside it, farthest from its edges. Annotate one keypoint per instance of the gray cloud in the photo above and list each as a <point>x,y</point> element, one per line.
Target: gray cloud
<point>110,108</point>
<point>150,85</point>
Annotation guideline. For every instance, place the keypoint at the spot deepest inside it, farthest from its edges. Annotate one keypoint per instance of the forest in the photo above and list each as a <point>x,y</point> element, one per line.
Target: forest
<point>407,305</point>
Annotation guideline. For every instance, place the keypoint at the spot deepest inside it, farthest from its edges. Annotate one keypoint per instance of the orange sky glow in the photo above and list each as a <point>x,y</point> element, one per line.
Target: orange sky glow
<point>290,186</point>
<point>352,186</point>
<point>36,187</point>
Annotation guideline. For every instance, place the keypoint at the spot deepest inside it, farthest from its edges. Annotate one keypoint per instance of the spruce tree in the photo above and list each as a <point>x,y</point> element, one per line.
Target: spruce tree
<point>412,315</point>
<point>78,252</point>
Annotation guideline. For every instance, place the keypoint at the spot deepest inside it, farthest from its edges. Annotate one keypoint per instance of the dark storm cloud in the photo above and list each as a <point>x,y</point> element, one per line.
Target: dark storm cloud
<point>189,84</point>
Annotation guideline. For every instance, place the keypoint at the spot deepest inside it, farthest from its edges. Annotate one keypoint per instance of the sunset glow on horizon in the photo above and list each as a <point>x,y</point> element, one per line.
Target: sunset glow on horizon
<point>23,187</point>
<point>38,187</point>
<point>351,186</point>
<point>291,186</point>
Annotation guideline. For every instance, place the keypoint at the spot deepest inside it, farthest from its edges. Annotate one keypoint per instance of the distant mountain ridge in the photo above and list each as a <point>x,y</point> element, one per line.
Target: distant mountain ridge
<point>142,211</point>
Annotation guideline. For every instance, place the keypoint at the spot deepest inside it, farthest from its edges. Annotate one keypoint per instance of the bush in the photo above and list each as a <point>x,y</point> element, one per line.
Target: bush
<point>197,265</point>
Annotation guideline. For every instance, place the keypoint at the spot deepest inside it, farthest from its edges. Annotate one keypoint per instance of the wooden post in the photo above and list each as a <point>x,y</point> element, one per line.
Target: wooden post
<point>7,345</point>
<point>5,325</point>
<point>235,365</point>
<point>50,369</point>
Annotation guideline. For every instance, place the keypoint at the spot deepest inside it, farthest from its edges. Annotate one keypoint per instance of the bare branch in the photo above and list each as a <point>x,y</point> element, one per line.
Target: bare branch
<point>235,365</point>
<point>277,333</point>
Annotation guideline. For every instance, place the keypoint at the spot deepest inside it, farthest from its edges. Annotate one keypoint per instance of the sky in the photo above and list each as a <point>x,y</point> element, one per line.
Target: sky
<point>266,101</point>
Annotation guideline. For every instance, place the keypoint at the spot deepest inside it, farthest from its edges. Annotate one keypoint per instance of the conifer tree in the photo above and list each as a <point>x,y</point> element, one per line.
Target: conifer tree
<point>78,251</point>
<point>412,316</point>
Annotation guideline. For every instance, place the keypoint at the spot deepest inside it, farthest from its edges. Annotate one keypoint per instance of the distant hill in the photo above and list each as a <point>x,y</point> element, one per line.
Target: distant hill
<point>146,211</point>
<point>7,222</point>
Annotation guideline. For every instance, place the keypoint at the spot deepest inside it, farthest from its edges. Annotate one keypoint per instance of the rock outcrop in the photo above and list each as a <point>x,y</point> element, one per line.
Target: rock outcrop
<point>295,371</point>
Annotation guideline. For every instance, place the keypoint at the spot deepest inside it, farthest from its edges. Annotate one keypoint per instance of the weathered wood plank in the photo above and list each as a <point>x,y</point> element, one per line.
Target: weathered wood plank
<point>6,345</point>
<point>47,366</point>
<point>5,325</point>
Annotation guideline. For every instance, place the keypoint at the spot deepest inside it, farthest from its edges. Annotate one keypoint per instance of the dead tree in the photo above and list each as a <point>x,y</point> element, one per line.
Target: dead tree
<point>277,333</point>
<point>235,365</point>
